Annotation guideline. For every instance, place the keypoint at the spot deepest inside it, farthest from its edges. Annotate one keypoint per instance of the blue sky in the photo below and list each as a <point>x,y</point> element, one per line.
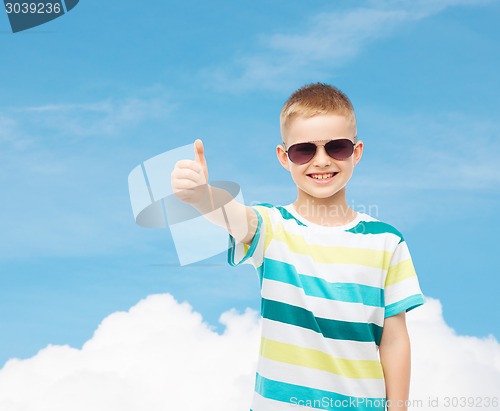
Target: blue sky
<point>87,97</point>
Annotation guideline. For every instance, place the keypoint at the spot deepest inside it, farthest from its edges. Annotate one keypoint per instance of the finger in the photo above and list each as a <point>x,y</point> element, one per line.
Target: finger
<point>188,164</point>
<point>187,174</point>
<point>185,185</point>
<point>199,152</point>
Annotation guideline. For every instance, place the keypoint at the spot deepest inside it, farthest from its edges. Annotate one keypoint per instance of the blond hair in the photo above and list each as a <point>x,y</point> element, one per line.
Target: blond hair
<point>316,99</point>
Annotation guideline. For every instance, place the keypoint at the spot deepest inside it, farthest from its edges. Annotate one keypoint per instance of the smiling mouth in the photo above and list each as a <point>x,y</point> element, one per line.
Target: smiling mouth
<point>322,176</point>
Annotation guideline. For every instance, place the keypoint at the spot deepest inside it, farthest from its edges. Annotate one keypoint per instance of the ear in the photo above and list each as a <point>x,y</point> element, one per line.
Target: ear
<point>358,152</point>
<point>282,156</point>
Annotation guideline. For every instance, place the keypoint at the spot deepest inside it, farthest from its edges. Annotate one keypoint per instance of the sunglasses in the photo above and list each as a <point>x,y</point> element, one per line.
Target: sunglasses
<point>302,153</point>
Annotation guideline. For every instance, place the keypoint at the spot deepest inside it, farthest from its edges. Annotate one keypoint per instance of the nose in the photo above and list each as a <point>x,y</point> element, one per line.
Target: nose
<point>321,158</point>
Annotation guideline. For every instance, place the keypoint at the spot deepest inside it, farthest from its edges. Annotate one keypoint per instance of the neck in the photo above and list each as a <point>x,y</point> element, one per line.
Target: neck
<point>328,211</point>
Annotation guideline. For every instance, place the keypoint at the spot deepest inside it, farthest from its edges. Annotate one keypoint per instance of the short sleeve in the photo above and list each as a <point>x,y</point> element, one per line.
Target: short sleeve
<point>240,253</point>
<point>401,289</point>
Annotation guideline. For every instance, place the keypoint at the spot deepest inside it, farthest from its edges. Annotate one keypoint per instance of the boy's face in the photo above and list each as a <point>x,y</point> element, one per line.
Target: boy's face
<point>320,129</point>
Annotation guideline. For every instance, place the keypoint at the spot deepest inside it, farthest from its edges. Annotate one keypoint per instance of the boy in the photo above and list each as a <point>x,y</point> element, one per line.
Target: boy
<point>335,283</point>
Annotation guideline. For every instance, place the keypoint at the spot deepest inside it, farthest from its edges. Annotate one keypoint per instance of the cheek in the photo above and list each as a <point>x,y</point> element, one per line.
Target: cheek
<point>296,172</point>
<point>347,166</point>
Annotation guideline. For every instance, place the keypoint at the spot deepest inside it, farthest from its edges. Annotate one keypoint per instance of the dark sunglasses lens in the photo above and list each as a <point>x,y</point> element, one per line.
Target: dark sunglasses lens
<point>340,149</point>
<point>301,153</point>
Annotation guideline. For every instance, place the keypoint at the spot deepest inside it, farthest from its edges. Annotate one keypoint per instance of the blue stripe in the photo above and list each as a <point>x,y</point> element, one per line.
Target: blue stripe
<point>297,395</point>
<point>317,287</point>
<point>334,329</point>
<point>406,304</point>
<point>287,216</point>
<point>375,227</point>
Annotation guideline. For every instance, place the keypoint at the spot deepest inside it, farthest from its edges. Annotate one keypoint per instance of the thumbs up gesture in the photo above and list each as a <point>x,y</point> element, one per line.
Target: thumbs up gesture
<point>199,158</point>
<point>189,179</point>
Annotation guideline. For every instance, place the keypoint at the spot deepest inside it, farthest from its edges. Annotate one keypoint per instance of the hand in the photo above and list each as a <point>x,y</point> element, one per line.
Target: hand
<point>189,178</point>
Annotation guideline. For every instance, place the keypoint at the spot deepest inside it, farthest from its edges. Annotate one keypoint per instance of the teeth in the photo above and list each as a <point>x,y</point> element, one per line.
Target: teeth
<point>321,176</point>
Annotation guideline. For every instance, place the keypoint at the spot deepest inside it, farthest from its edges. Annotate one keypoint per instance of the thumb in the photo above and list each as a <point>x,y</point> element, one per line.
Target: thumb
<point>199,156</point>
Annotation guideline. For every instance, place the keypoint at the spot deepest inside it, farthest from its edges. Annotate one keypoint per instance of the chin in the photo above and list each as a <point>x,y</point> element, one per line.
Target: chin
<point>322,194</point>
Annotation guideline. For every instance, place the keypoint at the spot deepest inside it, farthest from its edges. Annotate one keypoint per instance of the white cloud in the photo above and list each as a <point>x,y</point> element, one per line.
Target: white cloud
<point>442,151</point>
<point>101,118</point>
<point>64,176</point>
<point>11,137</point>
<point>445,364</point>
<point>331,39</point>
<point>160,355</point>
<point>425,8</point>
<point>157,356</point>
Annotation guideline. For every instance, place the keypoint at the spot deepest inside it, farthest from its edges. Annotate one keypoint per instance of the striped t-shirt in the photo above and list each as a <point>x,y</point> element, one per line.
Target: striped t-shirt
<point>325,294</point>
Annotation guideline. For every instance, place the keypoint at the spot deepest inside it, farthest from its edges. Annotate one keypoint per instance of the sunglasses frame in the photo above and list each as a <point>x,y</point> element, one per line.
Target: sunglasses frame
<point>321,145</point>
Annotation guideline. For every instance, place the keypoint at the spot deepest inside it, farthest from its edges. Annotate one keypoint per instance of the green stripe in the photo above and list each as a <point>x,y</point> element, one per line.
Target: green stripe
<point>317,287</point>
<point>375,227</point>
<point>407,304</point>
<point>334,329</point>
<point>287,216</point>
<point>298,395</point>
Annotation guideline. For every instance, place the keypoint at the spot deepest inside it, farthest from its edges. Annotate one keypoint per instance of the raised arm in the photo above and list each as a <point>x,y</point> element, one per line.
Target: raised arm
<point>189,181</point>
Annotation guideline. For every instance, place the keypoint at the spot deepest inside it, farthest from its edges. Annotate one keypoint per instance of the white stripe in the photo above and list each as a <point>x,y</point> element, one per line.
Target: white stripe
<point>337,237</point>
<point>321,380</point>
<point>322,307</point>
<point>402,290</point>
<point>348,273</point>
<point>400,254</point>
<point>302,337</point>
<point>238,254</point>
<point>340,238</point>
<point>368,217</point>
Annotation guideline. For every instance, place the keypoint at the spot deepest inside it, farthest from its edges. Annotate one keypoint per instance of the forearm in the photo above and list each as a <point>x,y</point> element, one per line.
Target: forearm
<point>189,184</point>
<point>220,207</point>
<point>395,356</point>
